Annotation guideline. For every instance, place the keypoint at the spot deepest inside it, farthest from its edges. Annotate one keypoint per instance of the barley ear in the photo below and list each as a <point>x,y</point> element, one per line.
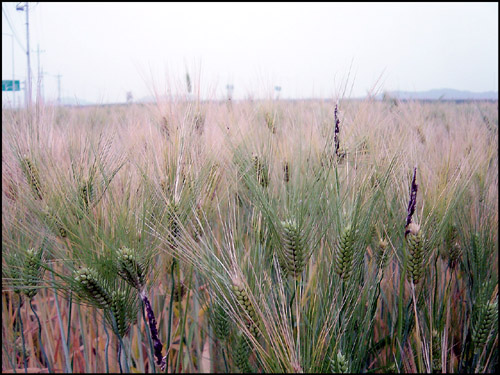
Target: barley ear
<point>416,252</point>
<point>94,287</point>
<point>453,248</point>
<point>293,254</point>
<point>119,309</point>
<point>242,353</point>
<point>382,255</point>
<point>436,352</point>
<point>131,269</point>
<point>32,176</point>
<point>485,321</point>
<point>221,322</point>
<point>340,363</point>
<point>33,271</point>
<point>344,253</point>
<point>244,302</point>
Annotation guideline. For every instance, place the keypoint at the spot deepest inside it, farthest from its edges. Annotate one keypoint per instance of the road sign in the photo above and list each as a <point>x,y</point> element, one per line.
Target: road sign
<point>9,85</point>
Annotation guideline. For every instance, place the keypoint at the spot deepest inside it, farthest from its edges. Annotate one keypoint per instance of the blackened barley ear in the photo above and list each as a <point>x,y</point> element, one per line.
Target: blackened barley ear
<point>286,172</point>
<point>221,322</point>
<point>179,292</point>
<point>344,253</point>
<point>340,363</point>
<point>245,303</point>
<point>241,354</point>
<point>485,321</point>
<point>130,268</point>
<point>93,286</point>
<point>416,252</point>
<point>32,176</point>
<point>294,256</point>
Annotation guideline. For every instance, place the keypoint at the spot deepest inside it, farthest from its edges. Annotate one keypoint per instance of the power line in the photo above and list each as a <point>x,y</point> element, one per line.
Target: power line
<point>12,29</point>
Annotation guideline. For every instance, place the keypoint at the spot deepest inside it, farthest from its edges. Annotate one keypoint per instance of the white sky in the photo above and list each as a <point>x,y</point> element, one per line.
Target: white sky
<point>103,50</point>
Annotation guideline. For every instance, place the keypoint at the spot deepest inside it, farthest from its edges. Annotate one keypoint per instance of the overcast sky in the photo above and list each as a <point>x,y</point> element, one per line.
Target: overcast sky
<point>103,50</point>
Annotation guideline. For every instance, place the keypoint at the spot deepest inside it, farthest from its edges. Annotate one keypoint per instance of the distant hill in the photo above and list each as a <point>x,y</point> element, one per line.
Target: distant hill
<point>75,102</point>
<point>441,94</point>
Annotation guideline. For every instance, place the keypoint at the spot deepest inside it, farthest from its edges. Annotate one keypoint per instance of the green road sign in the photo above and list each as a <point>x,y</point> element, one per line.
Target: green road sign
<point>9,85</point>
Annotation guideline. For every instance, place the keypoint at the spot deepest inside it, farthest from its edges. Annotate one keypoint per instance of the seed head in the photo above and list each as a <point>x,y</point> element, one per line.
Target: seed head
<point>94,287</point>
<point>485,321</point>
<point>33,271</point>
<point>344,253</point>
<point>242,353</point>
<point>32,176</point>
<point>246,305</point>
<point>130,268</point>
<point>221,322</point>
<point>293,254</point>
<point>416,252</point>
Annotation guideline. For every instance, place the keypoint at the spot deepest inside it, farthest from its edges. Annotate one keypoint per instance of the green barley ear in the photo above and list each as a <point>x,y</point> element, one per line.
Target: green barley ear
<point>221,322</point>
<point>483,325</point>
<point>344,253</point>
<point>271,122</point>
<point>31,172</point>
<point>340,363</point>
<point>94,287</point>
<point>13,270</point>
<point>173,219</point>
<point>54,223</point>
<point>246,305</point>
<point>131,269</point>
<point>86,194</point>
<point>436,352</point>
<point>262,171</point>
<point>124,314</point>
<point>242,353</point>
<point>452,246</point>
<point>416,252</point>
<point>382,254</point>
<point>293,253</point>
<point>33,271</point>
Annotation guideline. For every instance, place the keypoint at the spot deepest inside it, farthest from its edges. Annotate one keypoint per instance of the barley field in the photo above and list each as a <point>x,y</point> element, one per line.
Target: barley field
<point>252,236</point>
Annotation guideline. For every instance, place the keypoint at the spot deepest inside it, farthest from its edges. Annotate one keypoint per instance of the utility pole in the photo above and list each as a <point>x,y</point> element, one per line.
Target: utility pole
<point>59,88</point>
<point>40,74</point>
<point>28,81</point>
